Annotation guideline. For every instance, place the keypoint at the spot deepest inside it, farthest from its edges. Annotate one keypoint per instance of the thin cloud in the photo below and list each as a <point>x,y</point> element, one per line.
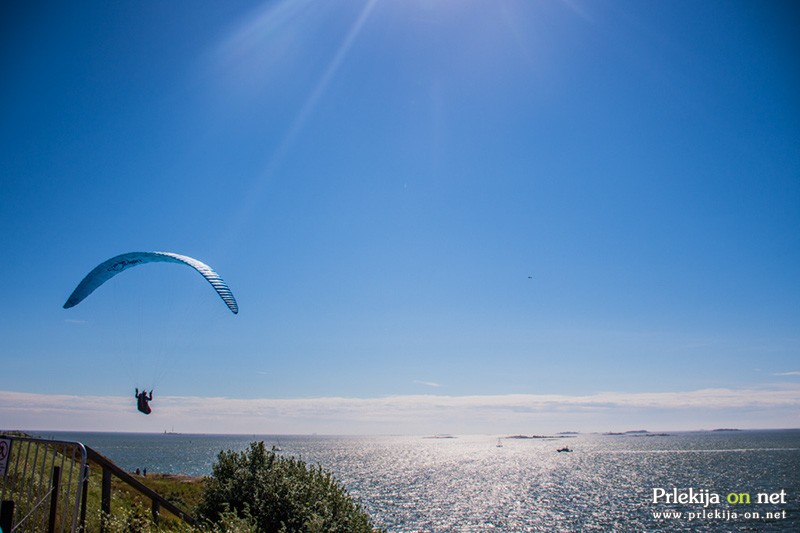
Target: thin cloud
<point>792,373</point>
<point>777,406</point>
<point>427,383</point>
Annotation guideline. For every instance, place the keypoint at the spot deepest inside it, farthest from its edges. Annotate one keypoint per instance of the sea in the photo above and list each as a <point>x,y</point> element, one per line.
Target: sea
<point>726,480</point>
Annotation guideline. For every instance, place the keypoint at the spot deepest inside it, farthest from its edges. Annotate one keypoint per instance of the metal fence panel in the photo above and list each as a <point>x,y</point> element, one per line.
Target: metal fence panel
<point>44,479</point>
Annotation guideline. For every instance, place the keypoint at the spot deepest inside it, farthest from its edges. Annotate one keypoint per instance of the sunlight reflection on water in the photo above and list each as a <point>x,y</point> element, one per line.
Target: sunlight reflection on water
<point>469,484</point>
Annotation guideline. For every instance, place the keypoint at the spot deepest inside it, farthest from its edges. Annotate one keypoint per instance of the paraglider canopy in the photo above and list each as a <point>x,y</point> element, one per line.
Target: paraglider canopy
<point>110,268</point>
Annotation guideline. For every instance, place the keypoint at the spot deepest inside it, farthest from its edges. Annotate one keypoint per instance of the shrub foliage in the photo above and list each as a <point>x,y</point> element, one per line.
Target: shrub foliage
<point>279,494</point>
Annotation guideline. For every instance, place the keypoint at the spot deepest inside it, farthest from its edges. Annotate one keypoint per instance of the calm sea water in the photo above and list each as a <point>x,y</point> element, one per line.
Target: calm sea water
<point>470,484</point>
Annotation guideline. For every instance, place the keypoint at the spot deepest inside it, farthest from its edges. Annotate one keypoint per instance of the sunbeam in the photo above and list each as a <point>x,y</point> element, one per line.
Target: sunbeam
<point>253,35</point>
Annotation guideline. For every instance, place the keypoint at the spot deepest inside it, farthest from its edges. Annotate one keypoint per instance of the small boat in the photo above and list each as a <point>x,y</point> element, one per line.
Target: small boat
<point>564,449</point>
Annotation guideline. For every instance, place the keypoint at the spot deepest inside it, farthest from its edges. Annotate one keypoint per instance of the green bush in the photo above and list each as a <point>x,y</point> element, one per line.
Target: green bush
<point>278,494</point>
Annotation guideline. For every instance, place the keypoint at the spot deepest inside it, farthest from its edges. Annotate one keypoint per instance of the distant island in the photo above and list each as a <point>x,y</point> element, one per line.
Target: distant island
<point>726,429</point>
<point>559,436</point>
<point>637,433</point>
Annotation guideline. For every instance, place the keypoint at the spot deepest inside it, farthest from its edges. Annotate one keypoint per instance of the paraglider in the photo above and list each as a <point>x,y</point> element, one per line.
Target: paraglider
<point>142,399</point>
<point>110,268</point>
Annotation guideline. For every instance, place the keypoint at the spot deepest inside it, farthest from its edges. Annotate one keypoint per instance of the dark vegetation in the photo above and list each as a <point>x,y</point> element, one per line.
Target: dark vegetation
<point>279,494</point>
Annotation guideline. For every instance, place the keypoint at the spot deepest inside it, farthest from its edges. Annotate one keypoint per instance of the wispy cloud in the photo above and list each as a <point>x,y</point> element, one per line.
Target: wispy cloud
<point>777,406</point>
<point>427,383</point>
<point>792,373</point>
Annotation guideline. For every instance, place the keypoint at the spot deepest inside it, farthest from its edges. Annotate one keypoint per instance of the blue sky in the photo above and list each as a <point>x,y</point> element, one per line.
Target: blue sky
<point>420,202</point>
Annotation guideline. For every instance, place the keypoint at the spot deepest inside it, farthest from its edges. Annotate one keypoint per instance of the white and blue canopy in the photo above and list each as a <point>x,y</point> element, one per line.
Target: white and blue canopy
<point>110,268</point>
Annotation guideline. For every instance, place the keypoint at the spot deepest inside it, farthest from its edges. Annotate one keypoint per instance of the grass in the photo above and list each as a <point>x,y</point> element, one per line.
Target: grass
<point>131,511</point>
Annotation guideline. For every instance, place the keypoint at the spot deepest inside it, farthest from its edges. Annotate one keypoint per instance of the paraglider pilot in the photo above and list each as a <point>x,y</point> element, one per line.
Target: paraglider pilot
<point>141,401</point>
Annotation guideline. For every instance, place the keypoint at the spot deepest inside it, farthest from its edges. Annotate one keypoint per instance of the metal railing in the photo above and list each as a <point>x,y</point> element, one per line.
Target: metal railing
<point>45,486</point>
<point>157,501</point>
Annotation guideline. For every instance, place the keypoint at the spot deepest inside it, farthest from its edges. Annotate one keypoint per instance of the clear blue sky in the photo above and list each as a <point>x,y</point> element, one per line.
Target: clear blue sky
<point>434,199</point>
